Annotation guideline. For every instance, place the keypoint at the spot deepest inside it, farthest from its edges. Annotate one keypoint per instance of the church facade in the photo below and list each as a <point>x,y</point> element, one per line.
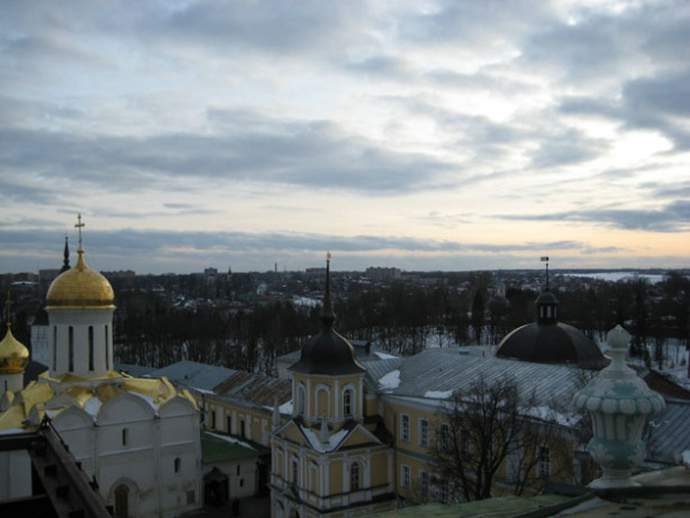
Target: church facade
<point>139,439</point>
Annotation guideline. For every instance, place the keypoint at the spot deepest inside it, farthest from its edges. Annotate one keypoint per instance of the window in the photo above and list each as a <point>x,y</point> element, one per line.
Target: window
<point>191,497</point>
<point>354,476</point>
<point>347,403</point>
<point>177,464</point>
<point>444,435</point>
<point>300,399</point>
<point>90,348</point>
<point>238,470</point>
<point>228,423</point>
<point>242,427</point>
<point>405,427</point>
<point>295,471</point>
<point>125,436</point>
<point>405,476</point>
<point>424,484</point>
<point>423,432</point>
<point>213,419</point>
<point>544,462</point>
<point>107,347</point>
<point>71,348</point>
<point>54,348</point>
<point>241,482</point>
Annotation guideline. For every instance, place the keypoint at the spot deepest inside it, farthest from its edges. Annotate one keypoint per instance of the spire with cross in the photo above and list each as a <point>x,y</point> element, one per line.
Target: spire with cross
<point>327,315</point>
<point>8,309</point>
<point>545,259</point>
<point>79,226</point>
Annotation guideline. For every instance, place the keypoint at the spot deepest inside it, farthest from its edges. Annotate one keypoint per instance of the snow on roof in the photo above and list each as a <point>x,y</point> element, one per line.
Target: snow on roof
<point>286,408</point>
<point>200,376</point>
<point>384,356</point>
<point>333,441</point>
<point>92,406</point>
<point>438,394</point>
<point>231,440</point>
<point>390,381</point>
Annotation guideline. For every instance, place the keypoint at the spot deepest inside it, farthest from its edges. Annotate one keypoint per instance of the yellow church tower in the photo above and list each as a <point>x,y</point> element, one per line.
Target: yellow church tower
<point>326,461</point>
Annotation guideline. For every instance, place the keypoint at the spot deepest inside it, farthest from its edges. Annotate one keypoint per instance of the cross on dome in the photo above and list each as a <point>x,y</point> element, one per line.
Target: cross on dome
<point>79,226</point>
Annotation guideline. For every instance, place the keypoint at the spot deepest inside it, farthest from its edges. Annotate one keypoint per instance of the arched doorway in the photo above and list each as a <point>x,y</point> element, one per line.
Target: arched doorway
<point>122,501</point>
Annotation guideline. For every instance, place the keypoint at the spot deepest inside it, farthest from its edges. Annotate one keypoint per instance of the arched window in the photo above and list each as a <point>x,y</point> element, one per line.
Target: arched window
<point>177,463</point>
<point>295,471</point>
<point>354,476</point>
<point>125,436</point>
<point>348,407</point>
<point>107,346</point>
<point>122,501</point>
<point>323,397</point>
<point>54,348</point>
<point>300,399</point>
<point>90,348</point>
<point>70,346</point>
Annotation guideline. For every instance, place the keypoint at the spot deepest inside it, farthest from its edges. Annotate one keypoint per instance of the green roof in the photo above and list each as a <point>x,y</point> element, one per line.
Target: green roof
<point>498,507</point>
<point>223,448</point>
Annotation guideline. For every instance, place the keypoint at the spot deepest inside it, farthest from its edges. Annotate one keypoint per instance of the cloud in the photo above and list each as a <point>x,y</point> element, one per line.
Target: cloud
<point>673,217</point>
<point>246,147</point>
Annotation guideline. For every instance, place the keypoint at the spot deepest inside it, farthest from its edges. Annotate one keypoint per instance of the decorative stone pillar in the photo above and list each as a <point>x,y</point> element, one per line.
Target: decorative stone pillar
<point>619,402</point>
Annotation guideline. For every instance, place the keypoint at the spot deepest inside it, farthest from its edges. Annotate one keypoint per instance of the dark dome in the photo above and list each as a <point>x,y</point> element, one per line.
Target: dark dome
<point>546,298</point>
<point>328,353</point>
<point>551,343</point>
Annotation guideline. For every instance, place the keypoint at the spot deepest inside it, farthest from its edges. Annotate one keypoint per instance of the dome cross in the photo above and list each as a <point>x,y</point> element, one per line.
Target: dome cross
<point>80,224</point>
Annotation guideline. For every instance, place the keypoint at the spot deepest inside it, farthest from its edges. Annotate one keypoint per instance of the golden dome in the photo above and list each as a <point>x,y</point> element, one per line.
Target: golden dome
<point>14,356</point>
<point>80,287</point>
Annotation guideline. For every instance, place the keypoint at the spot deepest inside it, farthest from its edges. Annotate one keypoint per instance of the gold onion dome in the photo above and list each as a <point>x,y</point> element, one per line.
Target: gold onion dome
<point>81,287</point>
<point>14,356</point>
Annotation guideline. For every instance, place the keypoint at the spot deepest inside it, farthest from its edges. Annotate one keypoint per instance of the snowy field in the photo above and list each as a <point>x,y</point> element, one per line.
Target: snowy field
<point>618,276</point>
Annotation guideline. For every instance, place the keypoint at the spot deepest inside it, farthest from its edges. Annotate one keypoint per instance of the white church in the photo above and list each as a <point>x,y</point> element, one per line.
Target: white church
<point>139,438</point>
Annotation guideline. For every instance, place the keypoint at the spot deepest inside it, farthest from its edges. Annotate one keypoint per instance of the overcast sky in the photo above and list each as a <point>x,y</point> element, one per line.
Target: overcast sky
<point>421,134</point>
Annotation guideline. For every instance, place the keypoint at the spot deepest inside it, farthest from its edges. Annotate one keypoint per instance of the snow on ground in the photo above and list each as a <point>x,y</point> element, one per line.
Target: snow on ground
<point>390,381</point>
<point>385,356</point>
<point>229,439</point>
<point>435,394</point>
<point>305,301</point>
<point>286,408</point>
<point>618,276</point>
<point>685,458</point>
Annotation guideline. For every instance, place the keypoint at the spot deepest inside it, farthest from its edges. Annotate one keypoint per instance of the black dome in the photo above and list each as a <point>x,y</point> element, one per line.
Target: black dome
<point>551,343</point>
<point>328,353</point>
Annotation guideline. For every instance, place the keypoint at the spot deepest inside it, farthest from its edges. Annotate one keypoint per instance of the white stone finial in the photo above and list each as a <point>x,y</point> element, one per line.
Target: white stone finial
<point>618,338</point>
<point>324,435</point>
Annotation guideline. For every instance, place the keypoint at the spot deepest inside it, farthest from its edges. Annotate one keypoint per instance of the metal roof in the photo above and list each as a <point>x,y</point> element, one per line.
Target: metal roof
<point>441,370</point>
<point>669,433</point>
<point>194,375</point>
<point>257,389</point>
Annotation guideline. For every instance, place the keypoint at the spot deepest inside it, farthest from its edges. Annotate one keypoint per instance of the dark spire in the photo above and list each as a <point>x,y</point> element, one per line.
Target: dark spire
<point>547,303</point>
<point>327,315</point>
<point>65,260</point>
<point>545,259</point>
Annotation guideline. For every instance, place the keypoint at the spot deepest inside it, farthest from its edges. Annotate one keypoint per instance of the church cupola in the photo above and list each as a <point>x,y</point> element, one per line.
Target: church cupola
<point>80,305</point>
<point>14,357</point>
<point>327,380</point>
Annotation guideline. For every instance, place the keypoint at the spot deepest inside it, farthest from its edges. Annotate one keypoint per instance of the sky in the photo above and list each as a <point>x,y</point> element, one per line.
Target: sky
<point>452,135</point>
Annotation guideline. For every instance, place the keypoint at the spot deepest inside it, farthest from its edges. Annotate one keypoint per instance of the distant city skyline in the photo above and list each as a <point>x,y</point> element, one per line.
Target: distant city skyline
<point>422,135</point>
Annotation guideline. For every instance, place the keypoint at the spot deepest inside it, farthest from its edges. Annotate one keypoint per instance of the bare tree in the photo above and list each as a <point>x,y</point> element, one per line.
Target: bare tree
<point>489,426</point>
